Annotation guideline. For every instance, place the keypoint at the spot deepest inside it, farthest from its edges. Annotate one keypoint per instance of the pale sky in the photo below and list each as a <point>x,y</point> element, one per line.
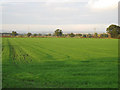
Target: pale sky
<point>45,16</point>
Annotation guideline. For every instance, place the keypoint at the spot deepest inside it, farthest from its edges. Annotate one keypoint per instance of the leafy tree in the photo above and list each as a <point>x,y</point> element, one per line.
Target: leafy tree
<point>29,34</point>
<point>46,34</point>
<point>72,35</point>
<point>65,35</point>
<point>84,35</point>
<point>118,36</point>
<point>14,33</point>
<point>95,34</point>
<point>34,34</point>
<point>89,35</point>
<point>113,30</point>
<point>101,35</point>
<point>105,35</point>
<point>39,34</point>
<point>58,32</point>
<point>49,34</point>
<point>79,35</point>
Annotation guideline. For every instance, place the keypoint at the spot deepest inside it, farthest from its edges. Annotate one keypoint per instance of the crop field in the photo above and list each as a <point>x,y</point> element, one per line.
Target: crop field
<point>59,63</point>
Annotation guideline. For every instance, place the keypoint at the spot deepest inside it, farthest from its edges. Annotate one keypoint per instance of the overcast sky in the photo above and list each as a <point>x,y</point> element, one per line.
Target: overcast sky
<point>44,16</point>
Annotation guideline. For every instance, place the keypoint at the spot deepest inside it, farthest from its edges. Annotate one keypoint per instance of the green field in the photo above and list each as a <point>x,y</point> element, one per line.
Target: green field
<point>59,63</point>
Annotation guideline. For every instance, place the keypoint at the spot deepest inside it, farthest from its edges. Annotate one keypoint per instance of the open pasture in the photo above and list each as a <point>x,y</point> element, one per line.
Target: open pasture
<point>59,63</point>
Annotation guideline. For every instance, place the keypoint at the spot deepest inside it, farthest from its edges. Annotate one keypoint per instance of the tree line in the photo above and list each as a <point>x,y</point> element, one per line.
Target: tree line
<point>113,31</point>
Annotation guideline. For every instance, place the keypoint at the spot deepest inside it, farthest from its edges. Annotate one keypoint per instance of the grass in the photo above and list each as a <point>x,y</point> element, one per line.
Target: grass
<point>59,63</point>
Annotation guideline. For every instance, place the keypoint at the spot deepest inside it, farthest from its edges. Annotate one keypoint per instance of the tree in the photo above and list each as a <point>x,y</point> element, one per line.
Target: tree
<point>105,35</point>
<point>14,33</point>
<point>95,34</point>
<point>34,34</point>
<point>113,30</point>
<point>39,34</point>
<point>79,35</point>
<point>49,34</point>
<point>46,34</point>
<point>71,34</point>
<point>65,35</point>
<point>84,35</point>
<point>58,32</point>
<point>29,34</point>
<point>89,35</point>
<point>118,36</point>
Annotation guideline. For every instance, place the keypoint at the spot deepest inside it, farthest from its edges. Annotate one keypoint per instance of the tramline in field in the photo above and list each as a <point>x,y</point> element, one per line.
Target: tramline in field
<point>59,62</point>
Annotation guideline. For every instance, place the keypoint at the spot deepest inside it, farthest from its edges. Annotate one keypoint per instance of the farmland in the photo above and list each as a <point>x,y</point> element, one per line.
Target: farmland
<point>59,63</point>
